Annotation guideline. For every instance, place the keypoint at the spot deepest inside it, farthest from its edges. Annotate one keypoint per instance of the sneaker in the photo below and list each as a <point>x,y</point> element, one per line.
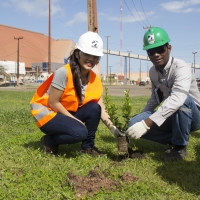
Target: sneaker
<point>91,151</point>
<point>176,153</point>
<point>48,150</point>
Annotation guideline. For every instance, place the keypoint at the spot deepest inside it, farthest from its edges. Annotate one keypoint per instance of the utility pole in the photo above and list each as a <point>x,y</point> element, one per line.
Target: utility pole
<point>194,60</point>
<point>121,36</point>
<point>110,74</point>
<point>147,69</point>
<point>49,41</point>
<point>129,74</point>
<point>140,71</point>
<point>19,38</point>
<point>92,16</point>
<point>107,59</point>
<point>93,25</point>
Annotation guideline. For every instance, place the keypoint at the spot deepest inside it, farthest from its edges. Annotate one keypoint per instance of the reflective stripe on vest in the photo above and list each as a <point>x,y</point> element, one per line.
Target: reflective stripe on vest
<point>41,114</point>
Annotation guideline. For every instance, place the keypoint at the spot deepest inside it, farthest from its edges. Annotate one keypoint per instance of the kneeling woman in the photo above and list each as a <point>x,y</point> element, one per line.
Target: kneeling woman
<point>68,106</point>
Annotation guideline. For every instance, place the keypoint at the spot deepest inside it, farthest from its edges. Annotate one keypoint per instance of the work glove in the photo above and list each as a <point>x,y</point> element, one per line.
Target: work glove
<point>116,132</point>
<point>137,130</point>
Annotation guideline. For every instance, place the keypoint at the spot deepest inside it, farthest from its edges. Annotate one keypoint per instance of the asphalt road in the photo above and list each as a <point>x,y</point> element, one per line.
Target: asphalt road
<point>134,90</point>
<point>113,90</point>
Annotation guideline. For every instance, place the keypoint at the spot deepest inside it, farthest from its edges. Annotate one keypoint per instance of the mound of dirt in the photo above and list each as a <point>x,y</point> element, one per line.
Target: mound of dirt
<point>94,182</point>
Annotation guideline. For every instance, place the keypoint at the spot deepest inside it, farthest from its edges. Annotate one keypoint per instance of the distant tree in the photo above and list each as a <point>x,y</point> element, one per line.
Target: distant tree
<point>2,70</point>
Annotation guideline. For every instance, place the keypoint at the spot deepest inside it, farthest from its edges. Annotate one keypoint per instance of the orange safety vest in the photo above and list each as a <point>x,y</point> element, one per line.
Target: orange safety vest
<point>39,103</point>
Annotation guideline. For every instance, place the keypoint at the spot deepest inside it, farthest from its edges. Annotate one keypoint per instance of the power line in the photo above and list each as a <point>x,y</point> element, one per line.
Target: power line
<point>31,58</point>
<point>132,14</point>
<point>145,14</point>
<point>63,23</point>
<point>9,41</point>
<point>6,43</point>
<point>138,13</point>
<point>9,54</point>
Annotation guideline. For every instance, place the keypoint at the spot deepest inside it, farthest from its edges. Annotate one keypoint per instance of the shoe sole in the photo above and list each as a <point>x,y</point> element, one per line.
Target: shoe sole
<point>170,158</point>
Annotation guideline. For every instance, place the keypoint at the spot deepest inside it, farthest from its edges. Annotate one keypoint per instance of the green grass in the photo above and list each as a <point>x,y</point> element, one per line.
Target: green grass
<point>27,173</point>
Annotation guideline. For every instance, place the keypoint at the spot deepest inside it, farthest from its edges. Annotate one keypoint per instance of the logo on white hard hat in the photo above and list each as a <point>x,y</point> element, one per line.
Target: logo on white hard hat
<point>94,44</point>
<point>151,39</point>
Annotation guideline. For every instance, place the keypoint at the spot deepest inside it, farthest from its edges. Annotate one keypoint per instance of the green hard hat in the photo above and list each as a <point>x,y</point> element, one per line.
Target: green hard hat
<point>155,37</point>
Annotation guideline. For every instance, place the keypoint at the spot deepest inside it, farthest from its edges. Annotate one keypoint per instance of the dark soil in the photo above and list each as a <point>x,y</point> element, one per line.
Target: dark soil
<point>122,144</point>
<point>94,182</point>
<point>135,154</point>
<point>132,154</point>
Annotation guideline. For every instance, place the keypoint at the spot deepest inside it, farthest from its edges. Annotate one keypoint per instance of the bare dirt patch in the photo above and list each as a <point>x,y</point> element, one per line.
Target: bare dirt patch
<point>94,182</point>
<point>131,154</point>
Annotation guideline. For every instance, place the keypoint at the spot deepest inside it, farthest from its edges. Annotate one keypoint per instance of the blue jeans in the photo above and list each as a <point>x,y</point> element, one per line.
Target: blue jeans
<point>65,130</point>
<point>176,128</point>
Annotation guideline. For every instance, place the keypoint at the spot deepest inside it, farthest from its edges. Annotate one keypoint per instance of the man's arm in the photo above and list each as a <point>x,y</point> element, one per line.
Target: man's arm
<point>180,90</point>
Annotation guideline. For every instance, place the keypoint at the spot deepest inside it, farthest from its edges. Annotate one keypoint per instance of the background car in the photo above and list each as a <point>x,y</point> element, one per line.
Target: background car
<point>142,83</point>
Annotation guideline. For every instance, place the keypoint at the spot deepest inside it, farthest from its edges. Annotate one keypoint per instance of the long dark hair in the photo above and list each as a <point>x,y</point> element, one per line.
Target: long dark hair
<point>75,68</point>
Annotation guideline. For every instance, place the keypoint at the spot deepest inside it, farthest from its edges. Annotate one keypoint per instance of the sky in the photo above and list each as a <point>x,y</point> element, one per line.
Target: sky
<point>125,27</point>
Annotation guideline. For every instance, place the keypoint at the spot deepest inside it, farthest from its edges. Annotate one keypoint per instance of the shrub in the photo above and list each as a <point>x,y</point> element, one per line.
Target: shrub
<point>121,122</point>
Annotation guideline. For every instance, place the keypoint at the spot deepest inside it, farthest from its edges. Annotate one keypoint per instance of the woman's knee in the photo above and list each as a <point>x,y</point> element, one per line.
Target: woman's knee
<point>95,107</point>
<point>80,134</point>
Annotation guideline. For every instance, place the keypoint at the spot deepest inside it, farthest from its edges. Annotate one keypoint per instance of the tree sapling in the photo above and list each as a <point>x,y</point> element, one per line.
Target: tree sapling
<point>120,121</point>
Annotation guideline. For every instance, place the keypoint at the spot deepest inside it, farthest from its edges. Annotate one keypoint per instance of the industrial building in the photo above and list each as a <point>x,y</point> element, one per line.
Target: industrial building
<point>33,51</point>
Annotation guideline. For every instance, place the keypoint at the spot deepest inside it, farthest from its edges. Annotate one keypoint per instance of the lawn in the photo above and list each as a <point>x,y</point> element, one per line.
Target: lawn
<point>27,173</point>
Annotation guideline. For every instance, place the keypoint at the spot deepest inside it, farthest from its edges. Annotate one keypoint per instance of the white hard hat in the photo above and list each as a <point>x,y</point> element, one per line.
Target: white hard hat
<point>90,43</point>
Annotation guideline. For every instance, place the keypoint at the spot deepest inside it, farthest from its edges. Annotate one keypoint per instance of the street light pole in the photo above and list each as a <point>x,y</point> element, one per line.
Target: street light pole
<point>107,59</point>
<point>194,60</point>
<point>18,59</point>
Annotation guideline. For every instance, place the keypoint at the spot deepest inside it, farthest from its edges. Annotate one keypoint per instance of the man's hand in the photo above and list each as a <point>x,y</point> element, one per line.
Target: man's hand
<point>137,130</point>
<point>116,132</point>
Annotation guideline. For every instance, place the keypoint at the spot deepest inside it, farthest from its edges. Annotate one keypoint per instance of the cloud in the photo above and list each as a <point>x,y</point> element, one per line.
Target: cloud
<point>37,8</point>
<point>186,6</point>
<point>78,18</point>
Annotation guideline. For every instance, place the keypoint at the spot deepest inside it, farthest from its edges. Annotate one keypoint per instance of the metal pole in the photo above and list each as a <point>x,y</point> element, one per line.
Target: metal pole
<point>147,69</point>
<point>194,60</point>
<point>140,70</point>
<point>129,73</point>
<point>110,74</point>
<point>107,59</point>
<point>18,59</point>
<point>49,41</point>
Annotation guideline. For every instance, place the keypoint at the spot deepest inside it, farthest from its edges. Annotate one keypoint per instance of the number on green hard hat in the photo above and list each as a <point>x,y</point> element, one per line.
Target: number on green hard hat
<point>155,37</point>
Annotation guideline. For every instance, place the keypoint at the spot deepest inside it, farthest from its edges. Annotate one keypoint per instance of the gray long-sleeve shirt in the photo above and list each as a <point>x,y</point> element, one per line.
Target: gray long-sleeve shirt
<point>176,82</point>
